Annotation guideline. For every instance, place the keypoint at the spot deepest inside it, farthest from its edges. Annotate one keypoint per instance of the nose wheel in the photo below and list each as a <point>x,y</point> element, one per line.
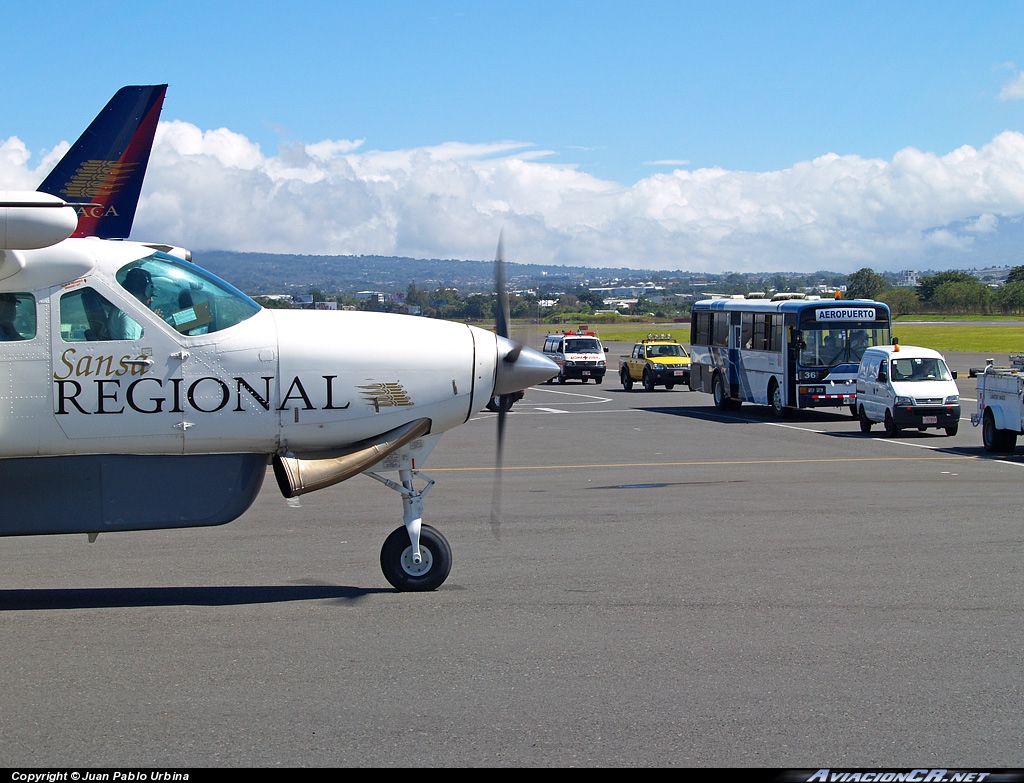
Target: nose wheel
<point>401,568</point>
<point>415,557</point>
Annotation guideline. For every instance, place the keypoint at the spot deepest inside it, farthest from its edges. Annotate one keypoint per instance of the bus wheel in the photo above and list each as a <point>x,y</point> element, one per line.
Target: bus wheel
<point>718,393</point>
<point>775,399</point>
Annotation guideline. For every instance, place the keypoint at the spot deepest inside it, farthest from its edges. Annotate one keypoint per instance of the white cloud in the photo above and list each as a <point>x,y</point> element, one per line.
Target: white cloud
<point>1013,90</point>
<point>218,190</point>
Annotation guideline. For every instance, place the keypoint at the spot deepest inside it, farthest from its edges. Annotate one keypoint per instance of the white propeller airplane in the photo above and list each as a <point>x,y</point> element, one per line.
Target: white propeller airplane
<point>138,391</point>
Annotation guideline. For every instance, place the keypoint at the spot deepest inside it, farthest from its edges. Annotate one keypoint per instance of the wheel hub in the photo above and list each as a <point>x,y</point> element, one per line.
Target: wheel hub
<point>413,568</point>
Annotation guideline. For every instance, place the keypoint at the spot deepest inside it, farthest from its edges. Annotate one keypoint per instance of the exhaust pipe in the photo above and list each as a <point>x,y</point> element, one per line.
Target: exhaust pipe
<point>297,476</point>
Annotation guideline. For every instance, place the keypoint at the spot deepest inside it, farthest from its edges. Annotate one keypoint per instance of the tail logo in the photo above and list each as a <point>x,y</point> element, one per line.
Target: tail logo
<point>97,178</point>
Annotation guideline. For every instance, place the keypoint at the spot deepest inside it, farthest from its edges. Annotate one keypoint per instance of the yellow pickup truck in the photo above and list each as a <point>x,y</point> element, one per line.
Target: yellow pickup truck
<point>656,361</point>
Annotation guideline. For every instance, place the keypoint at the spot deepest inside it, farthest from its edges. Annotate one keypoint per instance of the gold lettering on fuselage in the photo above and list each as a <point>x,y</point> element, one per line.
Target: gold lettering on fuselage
<point>96,365</point>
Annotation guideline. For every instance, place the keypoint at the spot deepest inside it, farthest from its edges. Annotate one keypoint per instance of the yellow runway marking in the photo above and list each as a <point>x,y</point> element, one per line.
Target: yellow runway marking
<point>595,465</point>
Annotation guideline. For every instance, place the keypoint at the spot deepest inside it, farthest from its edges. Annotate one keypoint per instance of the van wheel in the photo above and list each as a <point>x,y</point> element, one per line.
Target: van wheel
<point>994,439</point>
<point>865,422</point>
<point>561,378</point>
<point>853,411</point>
<point>951,431</point>
<point>891,430</point>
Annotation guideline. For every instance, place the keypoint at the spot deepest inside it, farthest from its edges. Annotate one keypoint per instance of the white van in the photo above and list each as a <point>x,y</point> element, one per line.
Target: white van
<point>579,355</point>
<point>903,386</point>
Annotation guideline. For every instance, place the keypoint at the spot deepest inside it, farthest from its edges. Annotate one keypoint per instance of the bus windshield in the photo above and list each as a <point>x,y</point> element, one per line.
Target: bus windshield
<point>832,347</point>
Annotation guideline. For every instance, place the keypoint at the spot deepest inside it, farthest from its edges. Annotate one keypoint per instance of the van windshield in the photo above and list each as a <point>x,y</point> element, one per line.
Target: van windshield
<point>589,345</point>
<point>920,369</point>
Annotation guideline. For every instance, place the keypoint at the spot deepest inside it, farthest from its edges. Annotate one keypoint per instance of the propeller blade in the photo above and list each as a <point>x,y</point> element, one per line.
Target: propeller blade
<point>517,368</point>
<point>501,316</point>
<point>502,324</point>
<point>503,406</point>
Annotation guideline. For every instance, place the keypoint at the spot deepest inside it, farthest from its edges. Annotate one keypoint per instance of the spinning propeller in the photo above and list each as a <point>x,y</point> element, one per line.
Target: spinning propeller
<point>518,368</point>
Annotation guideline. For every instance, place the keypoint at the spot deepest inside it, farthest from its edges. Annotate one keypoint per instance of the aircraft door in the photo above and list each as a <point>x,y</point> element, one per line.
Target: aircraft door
<point>116,375</point>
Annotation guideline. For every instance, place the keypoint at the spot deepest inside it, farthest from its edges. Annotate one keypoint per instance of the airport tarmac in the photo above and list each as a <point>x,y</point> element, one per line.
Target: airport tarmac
<point>669,586</point>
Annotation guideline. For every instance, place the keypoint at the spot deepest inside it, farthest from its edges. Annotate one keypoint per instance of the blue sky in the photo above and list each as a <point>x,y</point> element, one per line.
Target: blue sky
<point>730,136</point>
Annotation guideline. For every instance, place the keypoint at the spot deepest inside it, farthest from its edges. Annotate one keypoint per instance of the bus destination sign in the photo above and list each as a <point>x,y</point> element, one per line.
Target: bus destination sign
<point>846,314</point>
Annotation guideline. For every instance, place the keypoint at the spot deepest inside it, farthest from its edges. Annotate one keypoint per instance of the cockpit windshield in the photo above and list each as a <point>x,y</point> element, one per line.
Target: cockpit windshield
<point>189,298</point>
<point>832,347</point>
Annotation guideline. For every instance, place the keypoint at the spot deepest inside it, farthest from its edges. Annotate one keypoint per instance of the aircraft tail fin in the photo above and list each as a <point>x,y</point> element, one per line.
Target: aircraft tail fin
<point>102,173</point>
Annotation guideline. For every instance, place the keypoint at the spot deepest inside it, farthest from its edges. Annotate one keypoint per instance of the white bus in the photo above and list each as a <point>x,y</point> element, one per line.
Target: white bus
<point>790,353</point>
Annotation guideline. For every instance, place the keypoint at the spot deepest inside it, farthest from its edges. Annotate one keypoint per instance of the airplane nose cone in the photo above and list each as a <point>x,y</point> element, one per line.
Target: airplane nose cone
<point>520,367</point>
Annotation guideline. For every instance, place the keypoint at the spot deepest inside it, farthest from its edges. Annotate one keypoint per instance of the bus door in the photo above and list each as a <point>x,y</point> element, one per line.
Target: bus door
<point>794,344</point>
<point>735,363</point>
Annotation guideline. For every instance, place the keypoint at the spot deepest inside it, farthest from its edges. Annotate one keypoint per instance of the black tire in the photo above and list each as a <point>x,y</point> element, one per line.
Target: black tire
<point>399,570</point>
<point>648,383</point>
<point>865,422</point>
<point>493,405</point>
<point>670,386</point>
<point>891,430</point>
<point>718,393</point>
<point>952,429</point>
<point>627,382</point>
<point>561,377</point>
<point>994,439</point>
<point>775,400</point>
<point>598,379</point>
<point>853,411</point>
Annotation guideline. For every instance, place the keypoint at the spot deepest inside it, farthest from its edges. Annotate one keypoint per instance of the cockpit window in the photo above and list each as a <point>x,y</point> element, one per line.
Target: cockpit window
<point>17,316</point>
<point>189,298</point>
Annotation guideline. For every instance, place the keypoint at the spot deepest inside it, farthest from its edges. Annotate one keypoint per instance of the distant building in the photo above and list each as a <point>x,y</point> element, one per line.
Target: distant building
<point>907,278</point>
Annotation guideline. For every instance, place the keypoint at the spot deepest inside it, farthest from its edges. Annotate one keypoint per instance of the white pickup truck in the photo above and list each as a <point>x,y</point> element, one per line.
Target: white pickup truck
<point>1001,405</point>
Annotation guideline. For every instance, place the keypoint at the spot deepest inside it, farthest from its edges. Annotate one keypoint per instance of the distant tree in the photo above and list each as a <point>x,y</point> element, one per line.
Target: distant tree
<point>963,297</point>
<point>479,307</point>
<point>1010,297</point>
<point>592,298</point>
<point>419,297</point>
<point>865,284</point>
<point>926,286</point>
<point>524,307</point>
<point>1016,275</point>
<point>735,283</point>
<point>901,300</point>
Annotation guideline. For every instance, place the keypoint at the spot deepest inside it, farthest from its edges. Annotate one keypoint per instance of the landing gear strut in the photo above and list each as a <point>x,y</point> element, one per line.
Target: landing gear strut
<point>415,557</point>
